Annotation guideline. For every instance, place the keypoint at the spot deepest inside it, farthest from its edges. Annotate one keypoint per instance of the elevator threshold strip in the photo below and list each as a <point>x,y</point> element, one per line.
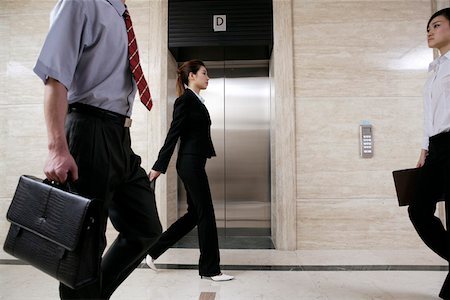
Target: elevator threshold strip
<point>298,268</point>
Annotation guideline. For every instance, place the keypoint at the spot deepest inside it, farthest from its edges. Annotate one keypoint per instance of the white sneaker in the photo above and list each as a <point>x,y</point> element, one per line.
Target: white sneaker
<point>220,277</point>
<point>149,261</point>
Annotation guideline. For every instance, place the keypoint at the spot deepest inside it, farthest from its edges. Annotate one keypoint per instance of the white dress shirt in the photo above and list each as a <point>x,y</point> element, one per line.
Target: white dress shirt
<point>437,99</point>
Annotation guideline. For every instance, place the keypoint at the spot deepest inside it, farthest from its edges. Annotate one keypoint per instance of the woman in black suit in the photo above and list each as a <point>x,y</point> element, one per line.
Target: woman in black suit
<point>191,124</point>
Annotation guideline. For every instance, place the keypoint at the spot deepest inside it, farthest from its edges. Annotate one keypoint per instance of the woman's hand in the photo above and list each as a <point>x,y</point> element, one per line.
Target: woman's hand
<point>153,175</point>
<point>423,156</point>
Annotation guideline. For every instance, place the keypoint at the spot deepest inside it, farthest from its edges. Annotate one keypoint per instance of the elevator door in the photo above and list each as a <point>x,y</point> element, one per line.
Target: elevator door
<point>238,100</point>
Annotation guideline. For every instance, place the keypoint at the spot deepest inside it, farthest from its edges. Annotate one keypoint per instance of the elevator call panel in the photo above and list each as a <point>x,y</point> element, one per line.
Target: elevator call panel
<point>366,140</point>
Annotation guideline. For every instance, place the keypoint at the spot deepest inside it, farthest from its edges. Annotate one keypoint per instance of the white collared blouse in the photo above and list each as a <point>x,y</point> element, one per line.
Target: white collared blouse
<point>436,96</point>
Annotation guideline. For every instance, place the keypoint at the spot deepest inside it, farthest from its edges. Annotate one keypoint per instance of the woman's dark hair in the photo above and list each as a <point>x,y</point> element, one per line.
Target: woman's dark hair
<point>183,73</point>
<point>443,12</point>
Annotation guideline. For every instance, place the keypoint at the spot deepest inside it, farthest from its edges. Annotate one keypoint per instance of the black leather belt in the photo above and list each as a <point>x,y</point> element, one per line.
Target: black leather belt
<point>100,113</point>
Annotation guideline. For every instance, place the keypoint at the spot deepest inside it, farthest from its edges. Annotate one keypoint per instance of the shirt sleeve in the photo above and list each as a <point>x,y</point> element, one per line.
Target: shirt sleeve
<point>64,43</point>
<point>426,125</point>
<point>425,143</point>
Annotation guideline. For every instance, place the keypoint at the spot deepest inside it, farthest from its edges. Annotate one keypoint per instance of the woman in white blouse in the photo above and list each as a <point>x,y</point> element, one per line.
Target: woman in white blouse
<point>434,158</point>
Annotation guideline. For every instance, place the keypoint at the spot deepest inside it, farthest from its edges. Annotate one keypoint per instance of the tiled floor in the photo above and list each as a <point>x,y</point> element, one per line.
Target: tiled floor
<point>261,274</point>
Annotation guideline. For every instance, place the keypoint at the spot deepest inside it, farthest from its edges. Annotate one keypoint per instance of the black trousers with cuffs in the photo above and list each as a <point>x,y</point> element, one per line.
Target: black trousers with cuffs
<point>110,171</point>
<point>200,213</point>
<point>434,187</point>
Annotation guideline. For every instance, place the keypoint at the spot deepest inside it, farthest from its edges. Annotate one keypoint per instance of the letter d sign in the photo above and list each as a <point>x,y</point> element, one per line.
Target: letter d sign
<point>220,22</point>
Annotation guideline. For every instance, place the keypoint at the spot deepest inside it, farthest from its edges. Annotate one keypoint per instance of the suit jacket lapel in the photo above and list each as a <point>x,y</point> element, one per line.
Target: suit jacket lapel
<point>199,103</point>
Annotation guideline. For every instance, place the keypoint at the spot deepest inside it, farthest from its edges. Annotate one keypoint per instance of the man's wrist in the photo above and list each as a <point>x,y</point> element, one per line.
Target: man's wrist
<point>57,145</point>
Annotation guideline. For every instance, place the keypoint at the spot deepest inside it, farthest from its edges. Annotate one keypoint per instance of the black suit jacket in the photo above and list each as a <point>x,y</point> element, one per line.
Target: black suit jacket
<point>191,124</point>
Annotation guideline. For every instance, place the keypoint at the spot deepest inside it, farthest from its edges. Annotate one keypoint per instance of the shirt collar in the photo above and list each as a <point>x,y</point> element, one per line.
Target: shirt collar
<point>118,5</point>
<point>435,63</point>
<point>198,96</point>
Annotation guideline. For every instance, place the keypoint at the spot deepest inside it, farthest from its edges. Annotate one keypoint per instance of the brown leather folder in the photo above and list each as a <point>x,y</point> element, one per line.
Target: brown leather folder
<point>406,184</point>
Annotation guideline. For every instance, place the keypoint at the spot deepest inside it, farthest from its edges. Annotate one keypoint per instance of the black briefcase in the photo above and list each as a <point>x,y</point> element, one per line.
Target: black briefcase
<point>55,231</point>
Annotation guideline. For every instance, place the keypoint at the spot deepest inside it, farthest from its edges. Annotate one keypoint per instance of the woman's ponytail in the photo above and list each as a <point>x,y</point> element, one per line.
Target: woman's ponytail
<point>180,84</point>
<point>183,74</point>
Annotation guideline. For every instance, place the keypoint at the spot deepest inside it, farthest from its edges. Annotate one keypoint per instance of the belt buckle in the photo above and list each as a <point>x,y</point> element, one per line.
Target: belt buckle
<point>127,122</point>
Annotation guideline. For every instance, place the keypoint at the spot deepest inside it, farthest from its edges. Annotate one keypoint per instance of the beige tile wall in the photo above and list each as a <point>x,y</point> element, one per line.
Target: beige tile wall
<point>282,132</point>
<point>356,60</point>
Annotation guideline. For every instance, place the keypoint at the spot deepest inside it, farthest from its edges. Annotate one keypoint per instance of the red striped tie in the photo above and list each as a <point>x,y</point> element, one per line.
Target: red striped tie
<point>135,65</point>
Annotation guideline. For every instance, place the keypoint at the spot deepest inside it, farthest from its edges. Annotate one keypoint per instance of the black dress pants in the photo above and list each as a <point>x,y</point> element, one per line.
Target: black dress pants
<point>110,171</point>
<point>200,212</point>
<point>434,187</point>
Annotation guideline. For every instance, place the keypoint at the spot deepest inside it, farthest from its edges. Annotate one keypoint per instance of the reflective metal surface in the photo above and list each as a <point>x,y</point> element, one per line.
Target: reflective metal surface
<point>238,100</point>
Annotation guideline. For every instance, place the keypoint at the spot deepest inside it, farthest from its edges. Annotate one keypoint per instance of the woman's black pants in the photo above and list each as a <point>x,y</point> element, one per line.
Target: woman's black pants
<point>200,212</point>
<point>434,187</point>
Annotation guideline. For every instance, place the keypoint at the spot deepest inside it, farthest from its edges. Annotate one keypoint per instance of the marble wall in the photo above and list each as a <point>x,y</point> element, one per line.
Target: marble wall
<point>349,61</point>
<point>356,60</point>
<point>282,132</point>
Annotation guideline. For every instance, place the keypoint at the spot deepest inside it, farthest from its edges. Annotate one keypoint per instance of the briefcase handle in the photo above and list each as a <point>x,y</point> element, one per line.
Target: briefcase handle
<point>66,186</point>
